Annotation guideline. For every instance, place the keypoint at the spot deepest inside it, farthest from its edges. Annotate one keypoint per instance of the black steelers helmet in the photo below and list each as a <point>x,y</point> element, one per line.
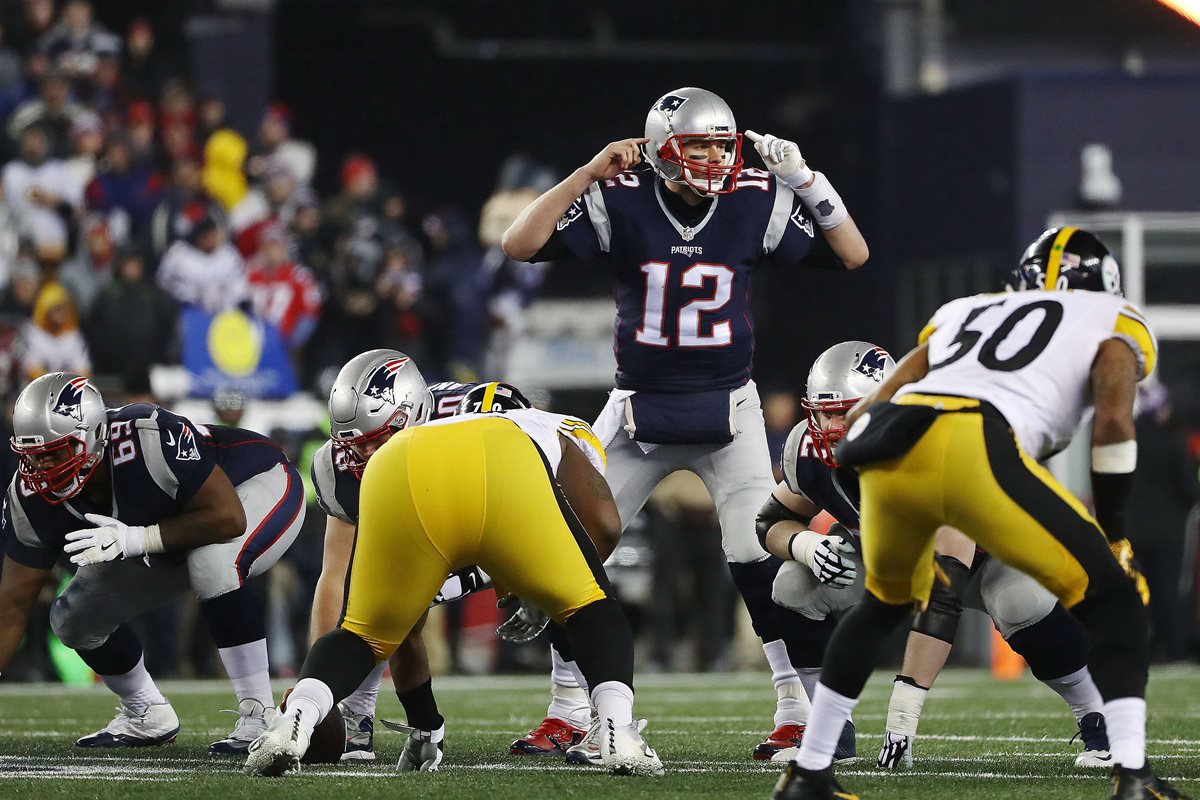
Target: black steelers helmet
<point>1066,258</point>
<point>494,397</point>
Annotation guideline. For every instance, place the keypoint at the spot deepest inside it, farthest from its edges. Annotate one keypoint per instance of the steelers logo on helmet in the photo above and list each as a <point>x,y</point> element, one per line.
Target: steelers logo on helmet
<point>492,398</point>
<point>1066,258</point>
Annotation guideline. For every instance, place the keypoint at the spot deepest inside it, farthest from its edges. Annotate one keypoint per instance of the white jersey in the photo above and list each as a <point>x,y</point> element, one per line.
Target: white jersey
<point>544,428</point>
<point>1030,355</point>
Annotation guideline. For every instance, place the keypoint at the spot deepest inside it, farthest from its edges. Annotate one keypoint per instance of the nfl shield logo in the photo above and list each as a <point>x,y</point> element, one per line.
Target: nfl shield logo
<point>688,234</point>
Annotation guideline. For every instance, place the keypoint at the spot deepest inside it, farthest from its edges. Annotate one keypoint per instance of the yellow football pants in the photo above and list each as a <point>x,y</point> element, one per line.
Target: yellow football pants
<point>441,498</point>
<point>968,471</point>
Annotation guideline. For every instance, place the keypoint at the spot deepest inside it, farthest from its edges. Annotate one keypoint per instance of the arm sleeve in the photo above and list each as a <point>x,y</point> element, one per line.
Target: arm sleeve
<point>1131,327</point>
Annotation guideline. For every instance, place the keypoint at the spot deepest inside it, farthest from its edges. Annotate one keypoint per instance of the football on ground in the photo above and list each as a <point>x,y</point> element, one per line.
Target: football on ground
<point>328,739</point>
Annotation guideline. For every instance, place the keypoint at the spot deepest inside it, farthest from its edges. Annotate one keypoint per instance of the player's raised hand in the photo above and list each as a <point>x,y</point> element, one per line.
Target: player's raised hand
<point>615,158</point>
<point>781,157</point>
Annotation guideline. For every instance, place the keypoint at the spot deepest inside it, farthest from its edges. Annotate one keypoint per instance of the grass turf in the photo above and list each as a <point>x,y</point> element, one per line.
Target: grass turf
<point>980,739</point>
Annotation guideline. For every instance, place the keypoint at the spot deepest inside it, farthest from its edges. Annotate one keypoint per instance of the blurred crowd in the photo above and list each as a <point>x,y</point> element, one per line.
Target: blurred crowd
<point>126,196</point>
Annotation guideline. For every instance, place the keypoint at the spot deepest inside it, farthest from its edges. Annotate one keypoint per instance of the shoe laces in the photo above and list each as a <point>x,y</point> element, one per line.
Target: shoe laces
<point>1092,732</point>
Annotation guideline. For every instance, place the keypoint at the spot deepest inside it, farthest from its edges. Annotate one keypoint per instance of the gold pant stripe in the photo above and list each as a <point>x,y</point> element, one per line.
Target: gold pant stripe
<point>441,498</point>
<point>967,471</point>
<point>943,401</point>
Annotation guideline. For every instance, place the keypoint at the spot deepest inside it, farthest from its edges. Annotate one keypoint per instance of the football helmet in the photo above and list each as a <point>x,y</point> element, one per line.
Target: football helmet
<point>1066,258</point>
<point>377,393</point>
<point>60,431</point>
<point>839,378</point>
<point>691,114</point>
<point>494,397</point>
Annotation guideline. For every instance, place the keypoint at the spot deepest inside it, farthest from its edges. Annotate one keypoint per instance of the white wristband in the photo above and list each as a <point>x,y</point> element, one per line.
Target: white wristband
<point>803,544</point>
<point>1119,458</point>
<point>823,202</point>
<point>799,177</point>
<point>154,542</point>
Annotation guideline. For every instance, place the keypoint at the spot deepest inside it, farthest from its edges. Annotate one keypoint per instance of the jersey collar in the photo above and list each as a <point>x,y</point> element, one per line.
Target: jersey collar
<point>686,232</point>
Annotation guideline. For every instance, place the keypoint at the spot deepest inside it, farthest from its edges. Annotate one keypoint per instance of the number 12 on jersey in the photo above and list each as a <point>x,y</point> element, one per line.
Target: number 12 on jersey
<point>688,328</point>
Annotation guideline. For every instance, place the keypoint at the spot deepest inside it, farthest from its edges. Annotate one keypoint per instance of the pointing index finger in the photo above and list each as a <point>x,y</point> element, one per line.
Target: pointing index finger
<point>752,136</point>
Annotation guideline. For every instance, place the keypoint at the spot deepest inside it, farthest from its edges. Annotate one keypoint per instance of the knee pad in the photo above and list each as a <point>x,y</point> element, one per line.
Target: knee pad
<point>1013,599</point>
<point>797,589</point>
<point>70,624</point>
<point>940,619</point>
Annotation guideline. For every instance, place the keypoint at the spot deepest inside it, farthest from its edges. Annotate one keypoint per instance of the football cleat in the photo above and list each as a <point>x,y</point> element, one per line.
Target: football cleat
<point>360,735</point>
<point>1094,734</point>
<point>552,737</point>
<point>421,753</point>
<point>158,724</point>
<point>279,749</point>
<point>253,719</point>
<point>623,751</point>
<point>782,738</point>
<point>587,751</point>
<point>1141,784</point>
<point>846,750</point>
<point>896,752</point>
<point>797,783</point>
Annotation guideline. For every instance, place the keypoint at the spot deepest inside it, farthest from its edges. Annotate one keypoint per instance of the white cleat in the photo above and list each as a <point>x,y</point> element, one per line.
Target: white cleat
<point>896,752</point>
<point>587,751</point>
<point>253,719</point>
<point>623,751</point>
<point>158,724</point>
<point>279,749</point>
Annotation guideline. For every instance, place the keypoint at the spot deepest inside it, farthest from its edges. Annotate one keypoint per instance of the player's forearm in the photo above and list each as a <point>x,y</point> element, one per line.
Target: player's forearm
<point>534,226</point>
<point>848,244</point>
<point>327,602</point>
<point>779,537</point>
<point>201,527</point>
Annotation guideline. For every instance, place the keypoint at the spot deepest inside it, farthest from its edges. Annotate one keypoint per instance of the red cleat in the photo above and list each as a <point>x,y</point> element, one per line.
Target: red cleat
<point>781,738</point>
<point>552,737</point>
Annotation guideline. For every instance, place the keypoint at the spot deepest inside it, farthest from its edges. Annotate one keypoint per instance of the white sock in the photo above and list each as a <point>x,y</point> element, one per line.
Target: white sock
<point>1125,719</point>
<point>614,700</point>
<point>362,700</point>
<point>904,709</point>
<point>311,700</point>
<point>570,704</point>
<point>135,688</point>
<point>791,706</point>
<point>246,665</point>
<point>561,671</point>
<point>829,715</point>
<point>1080,692</point>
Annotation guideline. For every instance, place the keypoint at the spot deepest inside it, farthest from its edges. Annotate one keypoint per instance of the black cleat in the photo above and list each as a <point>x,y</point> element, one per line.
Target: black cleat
<point>1141,784</point>
<point>797,783</point>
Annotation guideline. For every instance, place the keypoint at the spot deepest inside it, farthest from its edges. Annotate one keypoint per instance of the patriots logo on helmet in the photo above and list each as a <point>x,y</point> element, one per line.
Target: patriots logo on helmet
<point>671,103</point>
<point>69,402</point>
<point>872,364</point>
<point>381,384</point>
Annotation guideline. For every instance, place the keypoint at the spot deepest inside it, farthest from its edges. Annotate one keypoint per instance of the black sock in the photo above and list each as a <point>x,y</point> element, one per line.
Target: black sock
<point>341,661</point>
<point>420,707</point>
<point>602,643</point>
<point>119,653</point>
<point>854,648</point>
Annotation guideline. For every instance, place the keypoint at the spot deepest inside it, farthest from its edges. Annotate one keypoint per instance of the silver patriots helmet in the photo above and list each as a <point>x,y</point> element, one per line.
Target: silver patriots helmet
<point>691,114</point>
<point>839,378</point>
<point>376,394</point>
<point>60,431</point>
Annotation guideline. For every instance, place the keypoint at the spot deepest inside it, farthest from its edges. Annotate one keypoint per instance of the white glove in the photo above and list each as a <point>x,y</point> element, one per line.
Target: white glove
<point>423,750</point>
<point>783,158</point>
<point>826,557</point>
<point>522,626</point>
<point>461,583</point>
<point>110,540</point>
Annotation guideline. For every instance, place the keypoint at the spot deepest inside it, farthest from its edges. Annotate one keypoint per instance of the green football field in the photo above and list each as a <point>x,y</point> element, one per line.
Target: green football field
<point>980,739</point>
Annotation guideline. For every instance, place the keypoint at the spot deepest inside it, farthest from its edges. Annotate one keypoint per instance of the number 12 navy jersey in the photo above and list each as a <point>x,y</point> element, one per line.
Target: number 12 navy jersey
<point>682,291</point>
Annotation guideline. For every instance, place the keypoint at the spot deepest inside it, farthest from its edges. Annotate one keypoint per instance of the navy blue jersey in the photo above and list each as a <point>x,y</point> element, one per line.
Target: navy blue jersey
<point>158,462</point>
<point>682,291</point>
<point>835,490</point>
<point>337,488</point>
